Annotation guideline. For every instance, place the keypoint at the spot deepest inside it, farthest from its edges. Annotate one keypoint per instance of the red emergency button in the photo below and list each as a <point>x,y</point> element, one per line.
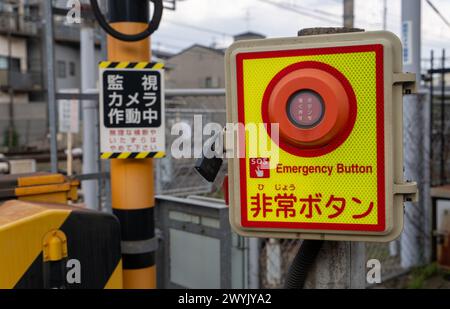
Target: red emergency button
<point>305,109</point>
<point>314,105</point>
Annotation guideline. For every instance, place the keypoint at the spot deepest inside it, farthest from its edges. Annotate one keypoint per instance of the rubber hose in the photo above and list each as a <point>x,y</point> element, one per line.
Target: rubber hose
<point>306,255</point>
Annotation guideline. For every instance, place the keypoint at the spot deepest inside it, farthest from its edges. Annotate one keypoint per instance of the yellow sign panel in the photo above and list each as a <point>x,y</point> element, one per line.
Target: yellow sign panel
<point>325,169</point>
<point>318,190</point>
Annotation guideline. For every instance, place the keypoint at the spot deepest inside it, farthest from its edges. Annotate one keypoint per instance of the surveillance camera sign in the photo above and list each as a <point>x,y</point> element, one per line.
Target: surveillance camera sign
<point>132,110</point>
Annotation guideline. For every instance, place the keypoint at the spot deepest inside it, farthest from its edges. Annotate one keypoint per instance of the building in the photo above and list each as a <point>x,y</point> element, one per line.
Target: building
<point>23,106</point>
<point>197,66</point>
<point>248,36</point>
<point>200,66</point>
<point>19,82</point>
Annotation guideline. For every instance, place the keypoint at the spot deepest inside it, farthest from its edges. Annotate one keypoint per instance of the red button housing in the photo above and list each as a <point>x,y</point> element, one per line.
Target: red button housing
<point>314,105</point>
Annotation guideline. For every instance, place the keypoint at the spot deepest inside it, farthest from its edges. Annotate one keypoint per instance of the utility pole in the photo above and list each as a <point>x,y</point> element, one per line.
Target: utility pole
<point>51,95</point>
<point>416,142</point>
<point>349,13</point>
<point>132,181</point>
<point>339,264</point>
<point>90,112</point>
<point>385,11</point>
<point>11,128</point>
<point>443,115</point>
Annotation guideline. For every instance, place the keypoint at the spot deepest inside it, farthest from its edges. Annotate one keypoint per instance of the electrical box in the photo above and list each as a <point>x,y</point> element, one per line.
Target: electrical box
<point>317,137</point>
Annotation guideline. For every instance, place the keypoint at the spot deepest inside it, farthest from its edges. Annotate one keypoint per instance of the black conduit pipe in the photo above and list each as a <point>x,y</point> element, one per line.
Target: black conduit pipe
<point>306,255</point>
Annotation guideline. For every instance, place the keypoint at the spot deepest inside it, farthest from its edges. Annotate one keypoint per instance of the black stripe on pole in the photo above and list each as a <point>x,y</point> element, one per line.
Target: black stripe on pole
<point>136,224</point>
<point>138,261</point>
<point>129,11</point>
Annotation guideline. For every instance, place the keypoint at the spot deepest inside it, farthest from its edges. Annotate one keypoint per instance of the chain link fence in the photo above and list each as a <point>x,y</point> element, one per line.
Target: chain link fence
<point>177,176</point>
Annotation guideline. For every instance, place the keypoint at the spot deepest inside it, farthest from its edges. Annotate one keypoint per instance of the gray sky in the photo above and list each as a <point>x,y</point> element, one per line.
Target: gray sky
<point>220,19</point>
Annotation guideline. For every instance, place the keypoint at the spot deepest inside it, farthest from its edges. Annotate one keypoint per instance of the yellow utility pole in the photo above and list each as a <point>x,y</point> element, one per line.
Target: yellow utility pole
<point>132,182</point>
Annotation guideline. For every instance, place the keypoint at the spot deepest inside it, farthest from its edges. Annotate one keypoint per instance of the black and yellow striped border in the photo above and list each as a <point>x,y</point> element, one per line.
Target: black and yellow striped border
<point>132,155</point>
<point>131,65</point>
<point>135,66</point>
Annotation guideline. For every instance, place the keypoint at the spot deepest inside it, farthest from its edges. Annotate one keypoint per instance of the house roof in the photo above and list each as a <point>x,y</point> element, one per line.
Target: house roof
<point>211,49</point>
<point>161,54</point>
<point>249,34</point>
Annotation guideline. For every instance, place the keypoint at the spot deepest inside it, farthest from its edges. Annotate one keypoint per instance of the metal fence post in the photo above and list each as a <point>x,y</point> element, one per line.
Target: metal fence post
<point>51,93</point>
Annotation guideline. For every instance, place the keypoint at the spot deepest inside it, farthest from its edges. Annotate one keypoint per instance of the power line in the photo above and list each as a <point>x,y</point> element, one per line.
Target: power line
<point>173,38</point>
<point>197,28</point>
<point>326,13</point>
<point>297,10</point>
<point>385,14</point>
<point>438,12</point>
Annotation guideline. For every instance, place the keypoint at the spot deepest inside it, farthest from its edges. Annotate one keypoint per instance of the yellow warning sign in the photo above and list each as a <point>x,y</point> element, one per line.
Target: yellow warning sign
<point>327,122</point>
<point>317,189</point>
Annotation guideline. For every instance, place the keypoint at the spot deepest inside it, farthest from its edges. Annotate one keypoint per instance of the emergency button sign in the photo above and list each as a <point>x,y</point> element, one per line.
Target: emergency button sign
<point>132,110</point>
<point>336,173</point>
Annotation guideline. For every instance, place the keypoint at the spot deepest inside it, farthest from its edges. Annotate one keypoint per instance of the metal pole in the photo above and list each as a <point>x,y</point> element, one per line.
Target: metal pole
<point>69,154</point>
<point>254,254</point>
<point>50,56</point>
<point>349,13</point>
<point>431,105</point>
<point>416,134</point>
<point>385,13</point>
<point>90,116</point>
<point>411,27</point>
<point>132,182</point>
<point>104,185</point>
<point>10,90</point>
<point>339,264</point>
<point>443,175</point>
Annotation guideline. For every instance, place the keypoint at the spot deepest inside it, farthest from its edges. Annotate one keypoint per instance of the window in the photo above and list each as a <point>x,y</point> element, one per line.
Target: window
<point>6,61</point>
<point>72,69</point>
<point>211,82</point>
<point>61,69</point>
<point>208,82</point>
<point>3,63</point>
<point>15,64</point>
